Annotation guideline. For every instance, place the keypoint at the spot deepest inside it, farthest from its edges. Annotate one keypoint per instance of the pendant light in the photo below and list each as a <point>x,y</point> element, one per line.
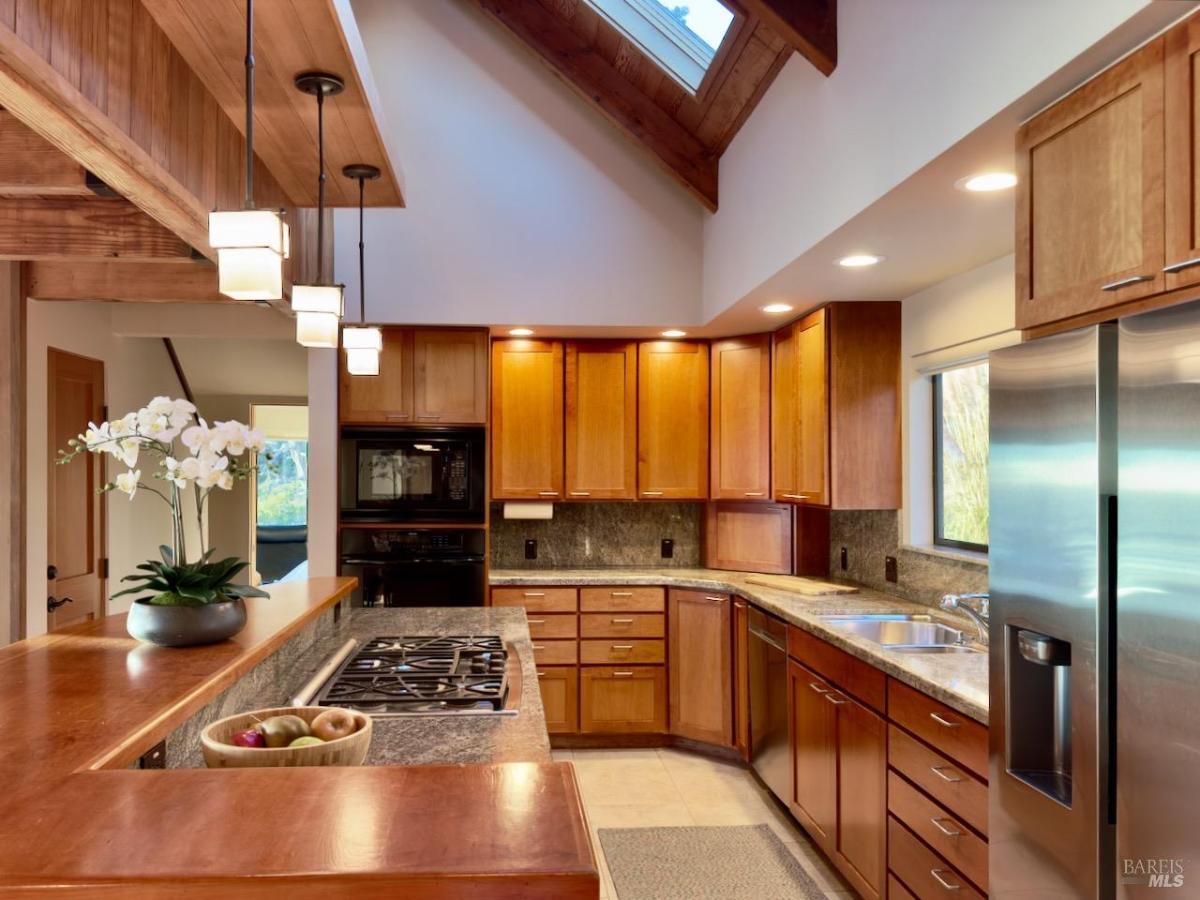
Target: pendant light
<point>251,243</point>
<point>318,307</point>
<point>363,342</point>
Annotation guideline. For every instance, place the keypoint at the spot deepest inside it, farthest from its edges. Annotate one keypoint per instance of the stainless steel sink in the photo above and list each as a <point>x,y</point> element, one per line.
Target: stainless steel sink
<point>914,633</point>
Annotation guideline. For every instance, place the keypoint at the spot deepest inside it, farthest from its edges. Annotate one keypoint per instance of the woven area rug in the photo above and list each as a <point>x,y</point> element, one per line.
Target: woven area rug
<point>728,862</point>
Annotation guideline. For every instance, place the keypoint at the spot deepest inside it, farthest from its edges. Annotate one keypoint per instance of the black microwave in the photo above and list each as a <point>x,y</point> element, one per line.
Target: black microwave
<point>430,474</point>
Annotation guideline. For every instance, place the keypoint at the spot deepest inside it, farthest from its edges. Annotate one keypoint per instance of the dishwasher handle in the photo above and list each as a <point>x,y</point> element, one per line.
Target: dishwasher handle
<point>766,638</point>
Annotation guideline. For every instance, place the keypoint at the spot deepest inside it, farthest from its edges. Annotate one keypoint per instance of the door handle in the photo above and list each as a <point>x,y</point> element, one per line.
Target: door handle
<point>51,572</point>
<point>1126,282</point>
<point>52,603</point>
<point>1181,265</point>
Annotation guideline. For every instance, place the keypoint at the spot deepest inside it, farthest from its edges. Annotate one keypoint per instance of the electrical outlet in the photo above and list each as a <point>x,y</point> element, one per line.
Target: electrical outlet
<point>530,548</point>
<point>889,569</point>
<point>845,559</point>
<point>668,548</point>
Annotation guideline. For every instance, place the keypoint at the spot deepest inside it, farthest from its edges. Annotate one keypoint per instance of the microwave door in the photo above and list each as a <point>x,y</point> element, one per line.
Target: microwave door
<point>396,476</point>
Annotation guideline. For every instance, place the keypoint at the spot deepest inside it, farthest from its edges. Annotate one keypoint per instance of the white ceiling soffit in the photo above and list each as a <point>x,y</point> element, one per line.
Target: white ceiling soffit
<point>243,367</point>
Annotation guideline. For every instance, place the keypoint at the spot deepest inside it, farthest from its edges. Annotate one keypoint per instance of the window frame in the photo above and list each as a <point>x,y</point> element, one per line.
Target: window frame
<point>939,537</point>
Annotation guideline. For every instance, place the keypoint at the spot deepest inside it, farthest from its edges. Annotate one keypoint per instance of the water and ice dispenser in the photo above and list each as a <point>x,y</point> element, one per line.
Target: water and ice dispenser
<point>1039,711</point>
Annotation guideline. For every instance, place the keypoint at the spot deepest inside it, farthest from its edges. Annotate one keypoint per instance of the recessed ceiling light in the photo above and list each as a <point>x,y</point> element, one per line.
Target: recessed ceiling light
<point>987,181</point>
<point>520,332</point>
<point>777,308</point>
<point>859,260</point>
<point>674,333</point>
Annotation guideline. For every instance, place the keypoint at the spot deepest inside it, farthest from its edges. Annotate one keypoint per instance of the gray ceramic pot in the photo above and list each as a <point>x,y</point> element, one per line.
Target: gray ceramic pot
<point>185,626</point>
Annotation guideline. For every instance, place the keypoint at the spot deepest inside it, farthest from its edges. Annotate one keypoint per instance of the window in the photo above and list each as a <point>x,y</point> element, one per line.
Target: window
<point>960,457</point>
<point>283,485</point>
<point>279,504</point>
<point>681,37</point>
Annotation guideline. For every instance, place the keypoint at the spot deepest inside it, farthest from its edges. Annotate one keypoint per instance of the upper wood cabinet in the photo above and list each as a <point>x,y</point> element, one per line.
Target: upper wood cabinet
<point>701,666</point>
<point>741,419</point>
<point>673,420</point>
<point>1182,149</point>
<point>430,376</point>
<point>835,407</point>
<point>527,420</point>
<point>601,437</point>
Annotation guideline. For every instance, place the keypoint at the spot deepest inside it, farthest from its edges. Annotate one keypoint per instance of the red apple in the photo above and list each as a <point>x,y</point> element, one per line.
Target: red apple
<point>248,738</point>
<point>333,724</point>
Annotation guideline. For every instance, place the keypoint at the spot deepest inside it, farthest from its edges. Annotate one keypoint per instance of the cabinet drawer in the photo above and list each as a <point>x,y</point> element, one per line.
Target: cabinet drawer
<point>897,891</point>
<point>622,599</point>
<point>633,625</point>
<point>951,785</point>
<point>619,651</point>
<point>849,673</point>
<point>623,699</point>
<point>961,738</point>
<point>927,875</point>
<point>952,840</point>
<point>555,653</point>
<point>560,698</point>
<point>537,599</point>
<point>559,625</point>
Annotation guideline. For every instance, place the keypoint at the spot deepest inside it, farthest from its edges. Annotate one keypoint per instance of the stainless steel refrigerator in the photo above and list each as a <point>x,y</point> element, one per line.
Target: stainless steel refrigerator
<point>1095,631</point>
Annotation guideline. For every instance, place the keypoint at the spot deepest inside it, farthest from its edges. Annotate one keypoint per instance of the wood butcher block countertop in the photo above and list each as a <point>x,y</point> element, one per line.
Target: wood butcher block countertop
<point>77,708</point>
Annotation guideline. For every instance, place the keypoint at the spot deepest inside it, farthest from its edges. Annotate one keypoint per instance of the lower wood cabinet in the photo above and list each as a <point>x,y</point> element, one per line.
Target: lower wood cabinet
<point>623,699</point>
<point>741,677</point>
<point>701,664</point>
<point>813,727</point>
<point>560,698</point>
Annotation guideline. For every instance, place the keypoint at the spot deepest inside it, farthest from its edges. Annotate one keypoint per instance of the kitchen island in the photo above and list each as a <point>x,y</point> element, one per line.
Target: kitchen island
<point>82,706</point>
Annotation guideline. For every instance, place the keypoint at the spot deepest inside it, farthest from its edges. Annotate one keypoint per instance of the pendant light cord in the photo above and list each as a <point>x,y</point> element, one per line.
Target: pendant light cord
<point>249,104</point>
<point>362,266</point>
<point>320,187</point>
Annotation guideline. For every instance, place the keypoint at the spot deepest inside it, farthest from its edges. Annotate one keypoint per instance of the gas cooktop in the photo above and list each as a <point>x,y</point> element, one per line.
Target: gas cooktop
<point>420,675</point>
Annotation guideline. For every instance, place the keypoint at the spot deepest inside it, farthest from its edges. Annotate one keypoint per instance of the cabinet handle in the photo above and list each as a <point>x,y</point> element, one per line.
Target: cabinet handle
<point>818,688</point>
<point>620,593</point>
<point>796,496</point>
<point>940,772</point>
<point>948,885</point>
<point>622,674</point>
<point>428,416</point>
<point>754,494</point>
<point>536,621</point>
<point>538,647</point>
<point>547,493</point>
<point>622,646</point>
<point>1182,264</point>
<point>945,723</point>
<point>541,674</point>
<point>716,599</point>
<point>652,493</point>
<point>832,698</point>
<point>533,594</point>
<point>1126,282</point>
<point>948,832</point>
<point>622,621</point>
<point>397,416</point>
<point>581,493</point>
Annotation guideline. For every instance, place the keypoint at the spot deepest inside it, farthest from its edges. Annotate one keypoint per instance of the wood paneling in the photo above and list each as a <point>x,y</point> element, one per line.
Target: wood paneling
<point>450,376</point>
<point>741,677</point>
<point>386,398</point>
<point>962,793</point>
<point>185,282</point>
<point>813,729</point>
<point>69,228</point>
<point>560,698</point>
<point>622,625</point>
<point>849,673</point>
<point>527,420</point>
<point>862,797</point>
<point>1181,80</point>
<point>701,666</point>
<point>920,868</point>
<point>623,699</point>
<point>558,625</point>
<point>749,537</point>
<point>601,436</point>
<point>673,420</point>
<point>31,165</point>
<point>741,418</point>
<point>962,739</point>
<point>556,653</point>
<point>622,599</point>
<point>536,599</point>
<point>784,414</point>
<point>947,836</point>
<point>621,651</point>
<point>810,450</point>
<point>808,25</point>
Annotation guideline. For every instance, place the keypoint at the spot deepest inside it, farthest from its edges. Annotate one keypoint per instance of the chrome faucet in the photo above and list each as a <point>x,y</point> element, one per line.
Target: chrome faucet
<point>977,615</point>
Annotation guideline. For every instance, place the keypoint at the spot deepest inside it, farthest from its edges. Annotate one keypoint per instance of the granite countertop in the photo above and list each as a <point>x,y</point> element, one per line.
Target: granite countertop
<point>440,739</point>
<point>960,680</point>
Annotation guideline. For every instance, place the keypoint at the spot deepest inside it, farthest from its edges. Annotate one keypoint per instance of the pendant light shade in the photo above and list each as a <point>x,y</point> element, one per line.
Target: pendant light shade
<point>318,330</point>
<point>363,362</point>
<point>363,343</point>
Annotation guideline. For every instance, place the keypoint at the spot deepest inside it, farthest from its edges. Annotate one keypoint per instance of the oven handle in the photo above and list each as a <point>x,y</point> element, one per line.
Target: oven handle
<point>384,563</point>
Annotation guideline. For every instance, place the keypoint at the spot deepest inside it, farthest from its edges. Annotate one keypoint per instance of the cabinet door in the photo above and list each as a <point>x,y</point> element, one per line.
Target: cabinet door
<point>1090,216</point>
<point>814,754</point>
<point>1182,114</point>
<point>386,398</point>
<point>741,677</point>
<point>783,414</point>
<point>811,449</point>
<point>701,666</point>
<point>673,420</point>
<point>623,700</point>
<point>450,376</point>
<point>741,419</point>
<point>527,420</point>
<point>602,420</point>
<point>862,792</point>
<point>560,698</point>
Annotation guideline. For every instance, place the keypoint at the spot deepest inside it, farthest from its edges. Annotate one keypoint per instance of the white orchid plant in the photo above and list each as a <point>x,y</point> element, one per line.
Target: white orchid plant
<point>180,450</point>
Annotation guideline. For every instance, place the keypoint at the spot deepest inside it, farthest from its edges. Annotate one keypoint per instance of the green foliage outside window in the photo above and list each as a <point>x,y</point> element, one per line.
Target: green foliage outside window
<point>962,420</point>
<point>283,484</point>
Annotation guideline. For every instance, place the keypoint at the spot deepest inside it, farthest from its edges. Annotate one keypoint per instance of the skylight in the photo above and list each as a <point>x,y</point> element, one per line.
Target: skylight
<point>681,36</point>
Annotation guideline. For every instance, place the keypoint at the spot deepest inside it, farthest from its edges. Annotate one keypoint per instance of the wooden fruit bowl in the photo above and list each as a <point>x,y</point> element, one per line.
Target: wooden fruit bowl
<point>220,754</point>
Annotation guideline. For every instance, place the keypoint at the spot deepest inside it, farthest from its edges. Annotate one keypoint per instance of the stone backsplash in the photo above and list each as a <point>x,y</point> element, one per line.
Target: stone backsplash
<point>599,535</point>
<point>871,535</point>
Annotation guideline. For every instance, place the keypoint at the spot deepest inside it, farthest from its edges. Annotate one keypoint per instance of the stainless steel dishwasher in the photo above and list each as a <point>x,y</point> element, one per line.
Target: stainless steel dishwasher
<point>770,749</point>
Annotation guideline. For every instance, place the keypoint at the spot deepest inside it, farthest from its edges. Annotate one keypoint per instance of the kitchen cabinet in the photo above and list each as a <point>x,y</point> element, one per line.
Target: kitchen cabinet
<point>560,698</point>
<point>741,677</point>
<point>1182,154</point>
<point>673,420</point>
<point>740,434</point>
<point>386,398</point>
<point>601,420</point>
<point>750,537</point>
<point>623,699</point>
<point>701,666</point>
<point>450,378</point>
<point>527,420</point>
<point>813,728</point>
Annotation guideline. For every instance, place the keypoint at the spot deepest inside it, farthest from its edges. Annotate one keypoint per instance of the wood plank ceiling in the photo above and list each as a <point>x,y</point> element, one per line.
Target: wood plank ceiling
<point>686,132</point>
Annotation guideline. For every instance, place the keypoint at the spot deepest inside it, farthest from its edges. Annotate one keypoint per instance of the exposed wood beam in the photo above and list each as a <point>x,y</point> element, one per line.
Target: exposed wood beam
<point>32,166</point>
<point>194,282</point>
<point>810,26</point>
<point>95,228</point>
<point>578,63</point>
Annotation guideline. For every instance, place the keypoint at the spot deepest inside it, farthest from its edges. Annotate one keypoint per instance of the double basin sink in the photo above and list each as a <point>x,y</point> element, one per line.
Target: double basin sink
<point>905,633</point>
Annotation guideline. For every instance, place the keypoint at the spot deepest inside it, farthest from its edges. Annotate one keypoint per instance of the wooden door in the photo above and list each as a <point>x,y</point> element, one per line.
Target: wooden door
<point>814,754</point>
<point>672,420</point>
<point>862,793</point>
<point>1182,115</point>
<point>560,698</point>
<point>527,420</point>
<point>811,448</point>
<point>701,674</point>
<point>740,437</point>
<point>783,414</point>
<point>75,512</point>
<point>750,537</point>
<point>741,677</point>
<point>601,436</point>
<point>1090,201</point>
<point>450,376</point>
<point>386,398</point>
<point>623,699</point>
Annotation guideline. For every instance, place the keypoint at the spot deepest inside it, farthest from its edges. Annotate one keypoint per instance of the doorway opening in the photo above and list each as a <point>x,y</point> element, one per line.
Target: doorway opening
<point>279,500</point>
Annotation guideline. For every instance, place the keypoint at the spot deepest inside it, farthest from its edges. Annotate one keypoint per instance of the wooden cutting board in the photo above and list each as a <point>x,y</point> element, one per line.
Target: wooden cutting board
<point>807,587</point>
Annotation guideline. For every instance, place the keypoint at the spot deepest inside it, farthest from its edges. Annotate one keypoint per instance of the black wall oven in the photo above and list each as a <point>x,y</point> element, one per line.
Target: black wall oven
<point>415,566</point>
<point>413,475</point>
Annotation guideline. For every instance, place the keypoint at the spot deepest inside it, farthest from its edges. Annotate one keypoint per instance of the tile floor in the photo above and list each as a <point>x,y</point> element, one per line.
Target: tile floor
<point>664,787</point>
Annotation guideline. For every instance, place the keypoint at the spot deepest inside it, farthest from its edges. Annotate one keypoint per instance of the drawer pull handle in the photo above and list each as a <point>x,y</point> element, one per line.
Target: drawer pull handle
<point>538,647</point>
<point>622,674</point>
<point>947,831</point>
<point>536,621</point>
<point>1126,282</point>
<point>581,493</point>
<point>832,698</point>
<point>620,593</point>
<point>533,594</point>
<point>429,416</point>
<point>796,496</point>
<point>541,674</point>
<point>622,621</point>
<point>944,722</point>
<point>547,493</point>
<point>754,494</point>
<point>1182,264</point>
<point>622,646</point>
<point>397,416</point>
<point>652,493</point>
<point>948,885</point>
<point>940,772</point>
<point>716,599</point>
<point>818,688</point>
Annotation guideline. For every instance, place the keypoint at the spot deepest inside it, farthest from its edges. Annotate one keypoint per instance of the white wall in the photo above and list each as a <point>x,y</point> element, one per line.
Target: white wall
<point>524,205</point>
<point>322,461</point>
